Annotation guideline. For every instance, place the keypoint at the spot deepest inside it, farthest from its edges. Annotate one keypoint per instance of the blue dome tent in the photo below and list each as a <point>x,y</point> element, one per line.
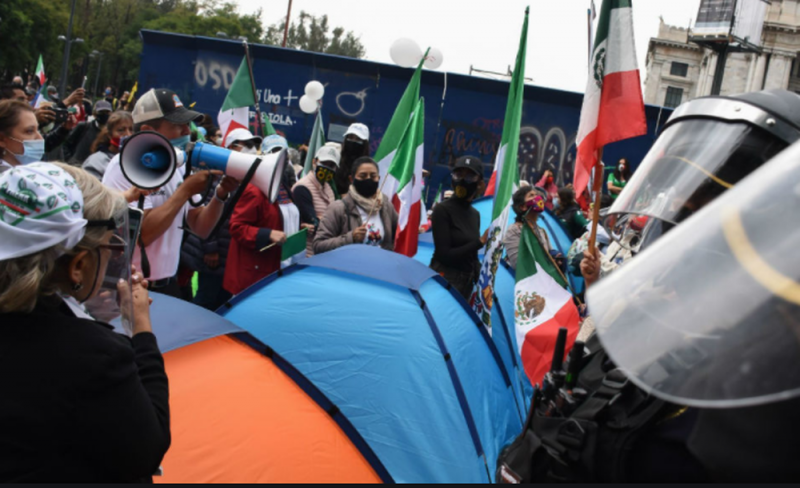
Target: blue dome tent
<point>504,335</point>
<point>400,355</point>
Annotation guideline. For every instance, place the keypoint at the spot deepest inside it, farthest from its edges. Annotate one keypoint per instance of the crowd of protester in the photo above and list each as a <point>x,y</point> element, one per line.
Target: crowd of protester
<point>338,202</point>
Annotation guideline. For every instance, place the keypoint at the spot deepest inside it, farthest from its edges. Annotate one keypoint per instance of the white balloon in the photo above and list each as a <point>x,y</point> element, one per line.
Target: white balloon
<point>434,58</point>
<point>405,53</point>
<point>307,104</point>
<point>315,90</point>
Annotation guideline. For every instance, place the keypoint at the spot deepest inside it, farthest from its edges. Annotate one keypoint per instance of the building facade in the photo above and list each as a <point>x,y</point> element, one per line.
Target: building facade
<point>679,70</point>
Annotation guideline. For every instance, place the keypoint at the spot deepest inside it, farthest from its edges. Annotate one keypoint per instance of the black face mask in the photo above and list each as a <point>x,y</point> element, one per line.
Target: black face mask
<point>464,190</point>
<point>366,188</point>
<point>102,119</point>
<point>323,174</point>
<point>353,149</point>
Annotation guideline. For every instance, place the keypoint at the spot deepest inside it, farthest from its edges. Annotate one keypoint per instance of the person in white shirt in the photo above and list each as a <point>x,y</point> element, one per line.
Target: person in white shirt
<point>165,209</point>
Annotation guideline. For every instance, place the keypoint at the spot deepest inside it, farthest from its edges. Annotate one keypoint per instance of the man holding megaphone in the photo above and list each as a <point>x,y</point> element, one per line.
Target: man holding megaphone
<point>161,111</point>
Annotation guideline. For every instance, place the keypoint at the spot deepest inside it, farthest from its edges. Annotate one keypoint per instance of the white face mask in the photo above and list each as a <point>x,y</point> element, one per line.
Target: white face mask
<point>249,150</point>
<point>218,141</point>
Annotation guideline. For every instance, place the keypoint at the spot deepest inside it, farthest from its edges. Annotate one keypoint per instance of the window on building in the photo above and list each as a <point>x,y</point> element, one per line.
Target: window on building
<point>679,69</point>
<point>674,97</point>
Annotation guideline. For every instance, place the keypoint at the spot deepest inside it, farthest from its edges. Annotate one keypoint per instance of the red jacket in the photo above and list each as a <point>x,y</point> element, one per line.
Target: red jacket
<point>252,220</point>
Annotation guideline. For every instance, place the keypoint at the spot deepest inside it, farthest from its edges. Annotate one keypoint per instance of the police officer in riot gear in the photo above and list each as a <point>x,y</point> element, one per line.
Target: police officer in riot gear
<point>694,373</point>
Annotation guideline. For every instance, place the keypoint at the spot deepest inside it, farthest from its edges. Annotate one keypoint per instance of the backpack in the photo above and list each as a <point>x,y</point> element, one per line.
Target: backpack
<point>593,441</point>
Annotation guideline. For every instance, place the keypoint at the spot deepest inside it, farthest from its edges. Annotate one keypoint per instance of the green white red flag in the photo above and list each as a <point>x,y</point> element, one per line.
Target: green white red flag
<point>404,181</point>
<point>613,108</point>
<point>394,131</point>
<point>505,180</point>
<point>542,305</point>
<point>40,72</point>
<point>235,111</point>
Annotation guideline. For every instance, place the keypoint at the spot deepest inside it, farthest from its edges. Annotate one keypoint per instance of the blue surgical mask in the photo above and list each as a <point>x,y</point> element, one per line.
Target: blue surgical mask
<point>181,142</point>
<point>32,153</point>
<point>555,202</point>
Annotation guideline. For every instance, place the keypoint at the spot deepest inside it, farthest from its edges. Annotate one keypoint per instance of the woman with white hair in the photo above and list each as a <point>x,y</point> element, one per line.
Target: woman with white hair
<point>81,403</point>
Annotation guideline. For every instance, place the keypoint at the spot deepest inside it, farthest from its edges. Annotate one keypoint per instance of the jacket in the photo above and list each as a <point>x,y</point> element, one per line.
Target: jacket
<point>512,238</point>
<point>78,145</point>
<point>322,198</point>
<point>81,403</point>
<point>550,188</point>
<point>194,249</point>
<point>252,221</point>
<point>336,228</point>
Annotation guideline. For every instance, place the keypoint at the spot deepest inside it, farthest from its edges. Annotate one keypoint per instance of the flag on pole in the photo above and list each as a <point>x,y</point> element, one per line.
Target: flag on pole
<point>541,306</point>
<point>317,141</point>
<point>613,108</point>
<point>394,131</point>
<point>404,181</point>
<point>505,180</point>
<point>40,72</point>
<point>438,197</point>
<point>133,92</point>
<point>235,111</point>
<point>39,98</point>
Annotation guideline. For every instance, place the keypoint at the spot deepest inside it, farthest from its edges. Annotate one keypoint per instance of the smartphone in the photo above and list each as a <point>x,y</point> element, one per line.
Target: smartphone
<point>135,216</point>
<point>61,115</point>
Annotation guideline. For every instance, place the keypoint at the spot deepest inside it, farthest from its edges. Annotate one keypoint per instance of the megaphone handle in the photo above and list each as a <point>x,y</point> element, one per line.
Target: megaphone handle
<point>234,199</point>
<point>145,262</point>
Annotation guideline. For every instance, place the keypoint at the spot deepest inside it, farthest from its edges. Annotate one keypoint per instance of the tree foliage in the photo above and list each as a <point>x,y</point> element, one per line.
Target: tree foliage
<point>311,33</point>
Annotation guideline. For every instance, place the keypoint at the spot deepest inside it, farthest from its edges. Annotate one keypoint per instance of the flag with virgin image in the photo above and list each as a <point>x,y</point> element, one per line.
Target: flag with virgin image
<point>505,180</point>
<point>613,108</point>
<point>404,181</point>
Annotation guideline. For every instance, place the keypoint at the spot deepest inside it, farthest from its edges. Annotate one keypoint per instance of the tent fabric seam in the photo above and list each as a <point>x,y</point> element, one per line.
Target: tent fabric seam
<point>486,338</point>
<point>320,399</point>
<point>456,381</point>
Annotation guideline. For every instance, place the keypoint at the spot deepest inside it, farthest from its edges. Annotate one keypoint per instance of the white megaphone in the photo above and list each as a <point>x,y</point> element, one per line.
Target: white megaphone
<point>149,161</point>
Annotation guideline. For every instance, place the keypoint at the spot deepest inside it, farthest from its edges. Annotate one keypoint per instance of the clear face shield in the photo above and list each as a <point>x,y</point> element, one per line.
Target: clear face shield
<point>110,296</point>
<point>693,162</point>
<point>709,316</point>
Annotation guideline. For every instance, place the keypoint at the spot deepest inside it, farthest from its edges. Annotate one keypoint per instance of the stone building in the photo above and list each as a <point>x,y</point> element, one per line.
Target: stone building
<point>679,70</point>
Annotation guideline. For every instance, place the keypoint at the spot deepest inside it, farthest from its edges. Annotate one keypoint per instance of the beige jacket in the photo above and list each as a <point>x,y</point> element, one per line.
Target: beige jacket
<point>336,227</point>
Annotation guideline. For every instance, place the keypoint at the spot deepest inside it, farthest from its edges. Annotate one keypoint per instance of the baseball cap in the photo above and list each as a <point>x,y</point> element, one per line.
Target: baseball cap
<point>102,105</point>
<point>160,103</point>
<point>241,135</point>
<point>359,130</point>
<point>273,141</point>
<point>471,163</point>
<point>328,153</point>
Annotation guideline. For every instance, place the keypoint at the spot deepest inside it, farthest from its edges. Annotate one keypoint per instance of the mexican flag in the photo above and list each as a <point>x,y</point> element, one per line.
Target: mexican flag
<point>613,108</point>
<point>40,72</point>
<point>317,141</point>
<point>235,110</point>
<point>541,306</point>
<point>394,131</point>
<point>404,181</point>
<point>505,180</point>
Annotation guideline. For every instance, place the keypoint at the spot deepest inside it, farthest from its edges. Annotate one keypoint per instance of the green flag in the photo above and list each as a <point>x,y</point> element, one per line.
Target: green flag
<point>317,141</point>
<point>294,244</point>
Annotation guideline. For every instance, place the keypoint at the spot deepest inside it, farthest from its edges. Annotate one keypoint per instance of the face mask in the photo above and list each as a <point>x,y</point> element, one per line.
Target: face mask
<point>102,118</point>
<point>114,142</point>
<point>181,142</point>
<point>366,188</point>
<point>549,179</point>
<point>555,202</point>
<point>218,141</point>
<point>353,148</point>
<point>32,151</point>
<point>464,190</point>
<point>249,150</point>
<point>323,174</point>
